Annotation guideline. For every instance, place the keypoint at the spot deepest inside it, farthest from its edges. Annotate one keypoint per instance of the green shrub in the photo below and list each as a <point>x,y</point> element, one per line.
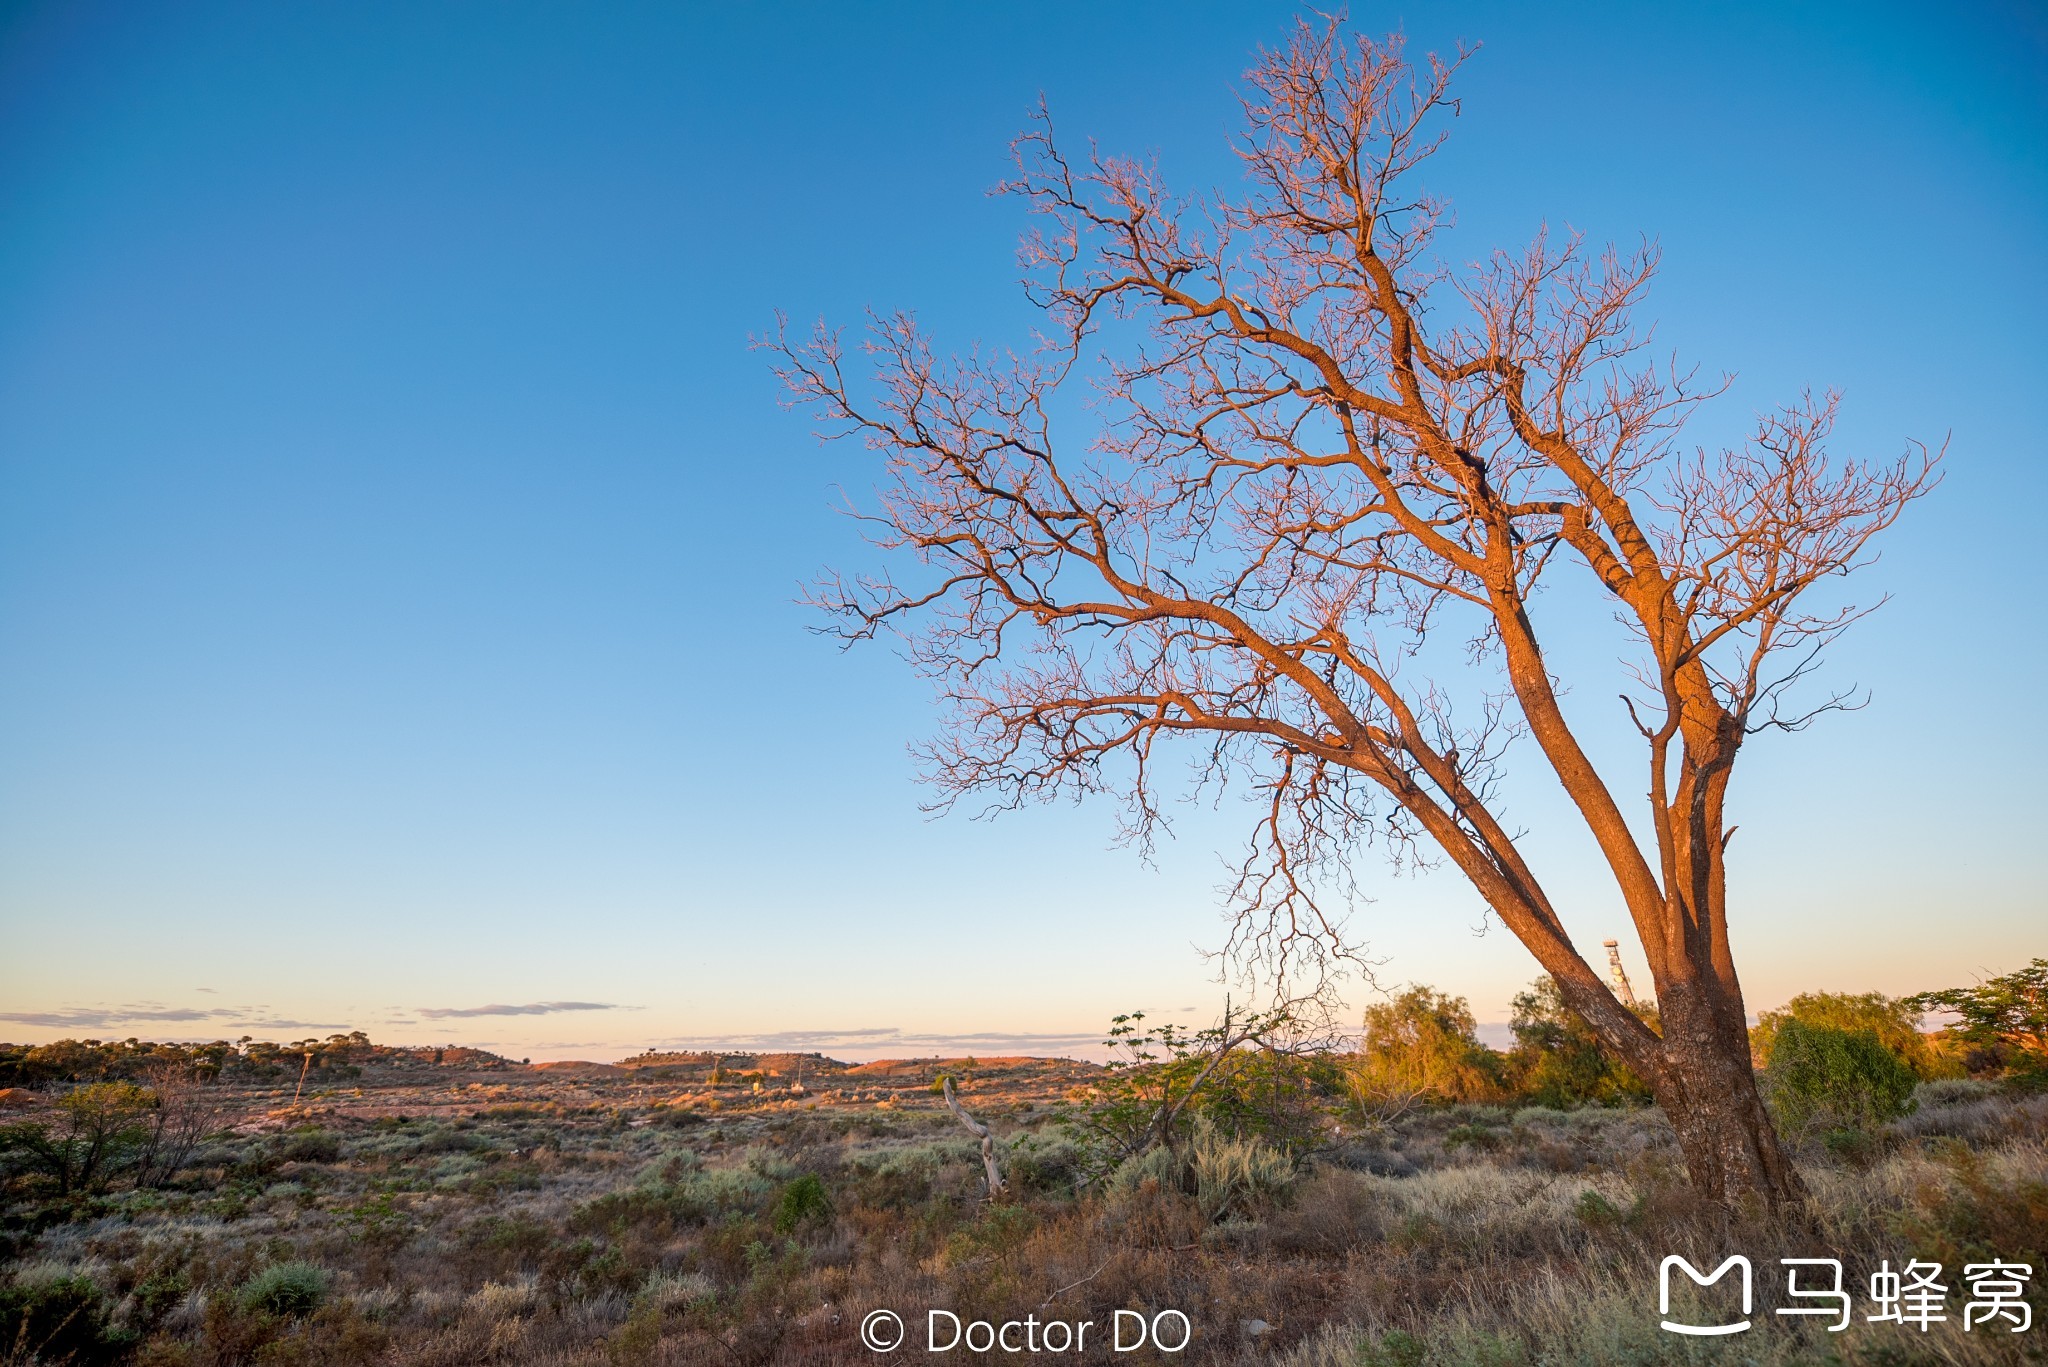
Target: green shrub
<point>1158,1164</point>
<point>510,1241</point>
<point>1480,1137</point>
<point>309,1144</point>
<point>680,1117</point>
<point>1231,1075</point>
<point>1558,1061</point>
<point>1822,1078</point>
<point>1042,1165</point>
<point>286,1289</point>
<point>1424,1043</point>
<point>1595,1211</point>
<point>378,1221</point>
<point>1895,1023</point>
<point>156,1295</point>
<point>713,1192</point>
<point>649,1208</point>
<point>1395,1348</point>
<point>1853,1146</point>
<point>1954,1091</point>
<point>101,1130</point>
<point>1269,1094</point>
<point>801,1203</point>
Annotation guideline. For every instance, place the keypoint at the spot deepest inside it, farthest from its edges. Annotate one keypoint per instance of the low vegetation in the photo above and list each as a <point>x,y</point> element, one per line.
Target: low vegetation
<point>701,1209</point>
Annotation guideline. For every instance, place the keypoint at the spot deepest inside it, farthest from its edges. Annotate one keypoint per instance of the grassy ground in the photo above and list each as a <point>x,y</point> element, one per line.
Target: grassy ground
<point>640,1216</point>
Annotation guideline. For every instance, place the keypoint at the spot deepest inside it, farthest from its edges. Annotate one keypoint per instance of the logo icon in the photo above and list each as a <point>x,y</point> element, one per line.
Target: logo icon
<point>1664,1293</point>
<point>881,1330</point>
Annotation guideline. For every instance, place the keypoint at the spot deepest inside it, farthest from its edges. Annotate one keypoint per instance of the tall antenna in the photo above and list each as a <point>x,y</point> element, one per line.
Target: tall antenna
<point>1618,975</point>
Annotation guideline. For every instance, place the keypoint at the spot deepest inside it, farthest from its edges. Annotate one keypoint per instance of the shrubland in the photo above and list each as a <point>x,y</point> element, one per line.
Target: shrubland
<point>673,1213</point>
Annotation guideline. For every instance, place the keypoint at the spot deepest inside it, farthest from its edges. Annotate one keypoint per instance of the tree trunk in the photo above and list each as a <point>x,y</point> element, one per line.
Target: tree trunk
<point>1708,1089</point>
<point>982,1132</point>
<point>1697,1066</point>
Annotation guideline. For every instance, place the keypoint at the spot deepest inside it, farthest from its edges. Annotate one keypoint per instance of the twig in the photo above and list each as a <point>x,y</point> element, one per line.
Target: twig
<point>1071,1285</point>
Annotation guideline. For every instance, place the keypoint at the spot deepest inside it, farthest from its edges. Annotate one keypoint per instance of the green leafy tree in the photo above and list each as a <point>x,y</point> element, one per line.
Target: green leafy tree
<point>1272,1092</point>
<point>1822,1079</point>
<point>1894,1021</point>
<point>101,1129</point>
<point>1559,1061</point>
<point>803,1202</point>
<point>1425,1045</point>
<point>2003,1020</point>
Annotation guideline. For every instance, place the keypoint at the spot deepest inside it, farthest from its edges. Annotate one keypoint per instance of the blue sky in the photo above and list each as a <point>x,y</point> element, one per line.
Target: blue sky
<point>400,545</point>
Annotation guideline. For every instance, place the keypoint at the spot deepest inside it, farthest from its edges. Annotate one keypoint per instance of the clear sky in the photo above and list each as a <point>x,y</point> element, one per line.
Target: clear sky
<point>400,546</point>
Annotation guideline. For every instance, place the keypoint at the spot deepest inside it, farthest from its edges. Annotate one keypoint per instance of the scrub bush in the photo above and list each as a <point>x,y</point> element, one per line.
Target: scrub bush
<point>289,1290</point>
<point>1821,1078</point>
<point>1895,1023</point>
<point>802,1202</point>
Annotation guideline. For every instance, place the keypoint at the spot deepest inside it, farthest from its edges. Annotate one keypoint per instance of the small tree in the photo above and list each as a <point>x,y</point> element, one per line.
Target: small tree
<point>187,1112</point>
<point>1160,1077</point>
<point>2005,1018</point>
<point>1328,462</point>
<point>1424,1045</point>
<point>1822,1078</point>
<point>1559,1061</point>
<point>1893,1020</point>
<point>100,1130</point>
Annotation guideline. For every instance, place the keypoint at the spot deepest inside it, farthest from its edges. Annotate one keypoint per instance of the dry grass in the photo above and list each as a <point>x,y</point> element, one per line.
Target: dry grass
<point>547,1220</point>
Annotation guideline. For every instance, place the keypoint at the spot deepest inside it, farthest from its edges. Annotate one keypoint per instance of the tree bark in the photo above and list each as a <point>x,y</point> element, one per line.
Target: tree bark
<point>1698,1068</point>
<point>1709,1091</point>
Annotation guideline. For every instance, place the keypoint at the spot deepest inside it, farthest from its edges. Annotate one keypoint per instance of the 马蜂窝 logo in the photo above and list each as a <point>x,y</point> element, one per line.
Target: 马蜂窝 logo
<point>1913,1296</point>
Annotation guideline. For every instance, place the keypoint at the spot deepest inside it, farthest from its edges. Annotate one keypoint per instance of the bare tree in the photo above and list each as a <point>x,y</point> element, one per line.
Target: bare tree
<point>1323,455</point>
<point>187,1112</point>
<point>990,1168</point>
